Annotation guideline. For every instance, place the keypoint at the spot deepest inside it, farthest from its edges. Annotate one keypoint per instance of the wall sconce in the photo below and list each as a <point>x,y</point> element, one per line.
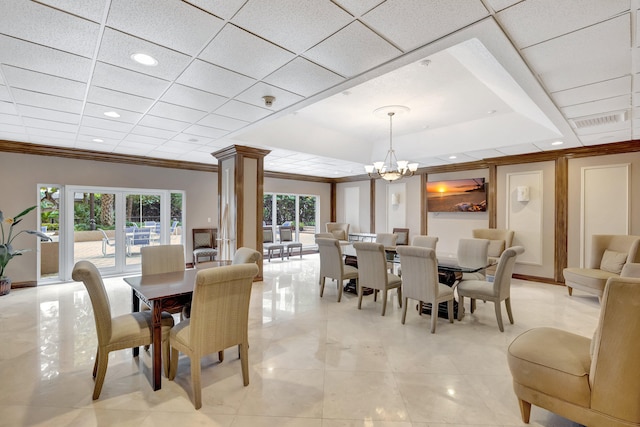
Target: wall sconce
<point>522,193</point>
<point>395,199</point>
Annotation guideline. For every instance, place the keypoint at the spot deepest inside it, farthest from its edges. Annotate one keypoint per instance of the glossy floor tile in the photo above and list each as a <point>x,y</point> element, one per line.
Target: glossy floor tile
<point>313,362</point>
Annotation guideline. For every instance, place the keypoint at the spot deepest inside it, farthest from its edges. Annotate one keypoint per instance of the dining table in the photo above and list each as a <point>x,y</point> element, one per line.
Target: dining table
<point>160,292</point>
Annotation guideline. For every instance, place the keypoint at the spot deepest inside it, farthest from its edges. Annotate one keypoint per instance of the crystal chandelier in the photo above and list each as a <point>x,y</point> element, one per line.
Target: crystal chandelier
<point>391,169</point>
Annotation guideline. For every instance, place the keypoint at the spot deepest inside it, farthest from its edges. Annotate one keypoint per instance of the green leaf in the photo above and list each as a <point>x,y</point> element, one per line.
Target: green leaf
<point>24,212</point>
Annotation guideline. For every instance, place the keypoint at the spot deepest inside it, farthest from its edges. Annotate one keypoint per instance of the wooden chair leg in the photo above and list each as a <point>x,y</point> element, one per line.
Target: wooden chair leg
<point>221,356</point>
<point>499,315</point>
<point>525,410</point>
<point>400,297</point>
<point>173,364</point>
<point>340,286</point>
<point>195,381</point>
<point>450,310</point>
<point>404,310</point>
<point>244,361</point>
<point>103,360</point>
<point>507,303</point>
<point>460,306</point>
<point>570,290</point>
<point>384,302</point>
<point>322,279</point>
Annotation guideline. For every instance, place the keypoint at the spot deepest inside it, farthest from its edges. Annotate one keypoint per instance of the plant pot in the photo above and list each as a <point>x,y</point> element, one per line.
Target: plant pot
<point>5,286</point>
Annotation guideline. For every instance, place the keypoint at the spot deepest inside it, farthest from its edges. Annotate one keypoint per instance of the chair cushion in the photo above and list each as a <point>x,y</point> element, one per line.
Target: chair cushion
<point>496,247</point>
<point>137,325</point>
<point>350,272</point>
<point>553,362</point>
<point>587,277</point>
<point>205,251</point>
<point>613,261</point>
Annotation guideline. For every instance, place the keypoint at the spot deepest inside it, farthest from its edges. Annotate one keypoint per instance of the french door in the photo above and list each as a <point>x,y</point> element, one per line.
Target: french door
<point>109,226</point>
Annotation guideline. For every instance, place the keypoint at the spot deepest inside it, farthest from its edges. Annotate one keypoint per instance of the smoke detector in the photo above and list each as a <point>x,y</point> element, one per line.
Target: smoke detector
<point>268,100</point>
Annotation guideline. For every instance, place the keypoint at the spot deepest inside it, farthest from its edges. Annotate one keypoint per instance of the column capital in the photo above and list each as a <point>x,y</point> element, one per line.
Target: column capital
<point>234,150</point>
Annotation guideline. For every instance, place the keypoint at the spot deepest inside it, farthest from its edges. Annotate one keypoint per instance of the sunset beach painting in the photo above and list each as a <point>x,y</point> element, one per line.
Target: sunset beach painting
<point>460,195</point>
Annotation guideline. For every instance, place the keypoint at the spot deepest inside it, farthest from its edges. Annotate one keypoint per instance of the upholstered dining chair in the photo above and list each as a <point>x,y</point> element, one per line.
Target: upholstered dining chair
<point>372,273</point>
<point>219,319</point>
<point>497,291</point>
<point>473,253</point>
<point>339,230</point>
<point>331,265</point>
<point>120,332</point>
<point>593,382</point>
<point>204,244</point>
<point>389,240</point>
<point>425,242</point>
<point>420,282</point>
<point>162,259</point>
<point>245,255</point>
<point>402,235</point>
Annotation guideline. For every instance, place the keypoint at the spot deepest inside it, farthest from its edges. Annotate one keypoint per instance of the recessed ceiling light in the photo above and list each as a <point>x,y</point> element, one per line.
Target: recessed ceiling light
<point>192,140</point>
<point>97,140</point>
<point>144,59</point>
<point>425,62</point>
<point>346,93</point>
<point>112,114</point>
<point>557,143</point>
<point>453,157</point>
<point>491,112</point>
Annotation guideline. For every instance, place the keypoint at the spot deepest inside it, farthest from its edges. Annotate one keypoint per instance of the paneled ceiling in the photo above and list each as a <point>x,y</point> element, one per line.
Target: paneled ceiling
<point>481,78</point>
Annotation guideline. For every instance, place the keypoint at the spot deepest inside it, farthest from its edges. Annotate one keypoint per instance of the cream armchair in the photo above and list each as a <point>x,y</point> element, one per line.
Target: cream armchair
<point>609,254</point>
<point>592,382</point>
<point>499,240</point>
<point>340,230</point>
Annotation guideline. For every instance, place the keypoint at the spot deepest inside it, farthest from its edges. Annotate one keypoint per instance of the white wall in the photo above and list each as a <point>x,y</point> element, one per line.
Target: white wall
<point>362,205</point>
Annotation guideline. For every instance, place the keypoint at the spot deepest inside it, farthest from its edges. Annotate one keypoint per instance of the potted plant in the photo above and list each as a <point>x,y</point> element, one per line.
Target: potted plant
<point>7,252</point>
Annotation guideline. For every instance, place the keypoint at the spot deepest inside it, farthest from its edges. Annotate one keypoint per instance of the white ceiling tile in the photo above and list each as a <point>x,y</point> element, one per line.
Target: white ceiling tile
<point>100,133</point>
<point>412,23</point>
<point>31,21</point>
<point>593,92</point>
<point>222,122</point>
<point>120,100</point>
<point>63,136</point>
<point>97,110</point>
<point>7,108</point>
<point>53,141</point>
<point>53,115</point>
<point>122,80</point>
<point>163,123</point>
<point>107,143</point>
<point>51,102</point>
<point>143,139</point>
<point>567,62</point>
<point>211,78</point>
<point>532,22</point>
<point>242,111</point>
<point>10,119</point>
<point>44,83</point>
<point>192,139</point>
<point>43,59</point>
<point>238,50</point>
<point>352,50</point>
<point>358,7</point>
<point>171,111</point>
<point>107,124</point>
<point>116,49</point>
<point>548,146</point>
<point>223,8</point>
<point>606,137</point>
<point>9,128</point>
<point>48,124</point>
<point>139,147</point>
<point>89,9</point>
<point>18,136</point>
<point>194,98</point>
<point>254,95</point>
<point>483,154</point>
<point>176,25</point>
<point>595,107</point>
<point>94,146</point>
<point>179,147</point>
<point>205,131</point>
<point>303,77</point>
<point>199,157</point>
<point>4,94</point>
<point>288,25</point>
<point>498,5</point>
<point>157,133</point>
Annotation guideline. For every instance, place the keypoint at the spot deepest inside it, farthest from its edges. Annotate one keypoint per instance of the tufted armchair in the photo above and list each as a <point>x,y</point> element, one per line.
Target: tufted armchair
<point>340,230</point>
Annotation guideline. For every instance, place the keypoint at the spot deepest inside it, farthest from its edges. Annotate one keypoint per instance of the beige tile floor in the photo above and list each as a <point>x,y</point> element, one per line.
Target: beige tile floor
<point>313,362</point>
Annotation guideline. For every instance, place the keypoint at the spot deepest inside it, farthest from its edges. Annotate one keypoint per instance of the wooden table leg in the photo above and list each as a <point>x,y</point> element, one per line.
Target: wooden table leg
<point>156,360</point>
<point>135,306</point>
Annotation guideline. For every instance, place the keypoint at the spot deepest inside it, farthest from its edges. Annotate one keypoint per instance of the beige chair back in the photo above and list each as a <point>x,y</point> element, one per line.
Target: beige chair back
<point>614,375</point>
<point>499,239</point>
<point>339,230</point>
<point>220,307</point>
<point>631,269</point>
<point>331,264</point>
<point>86,272</point>
<point>425,241</point>
<point>387,239</point>
<point>246,256</point>
<point>267,235</point>
<point>504,271</point>
<point>402,235</point>
<point>473,253</point>
<point>617,243</point>
<point>286,234</point>
<point>372,265</point>
<point>419,273</point>
<point>162,259</point>
<point>323,236</point>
